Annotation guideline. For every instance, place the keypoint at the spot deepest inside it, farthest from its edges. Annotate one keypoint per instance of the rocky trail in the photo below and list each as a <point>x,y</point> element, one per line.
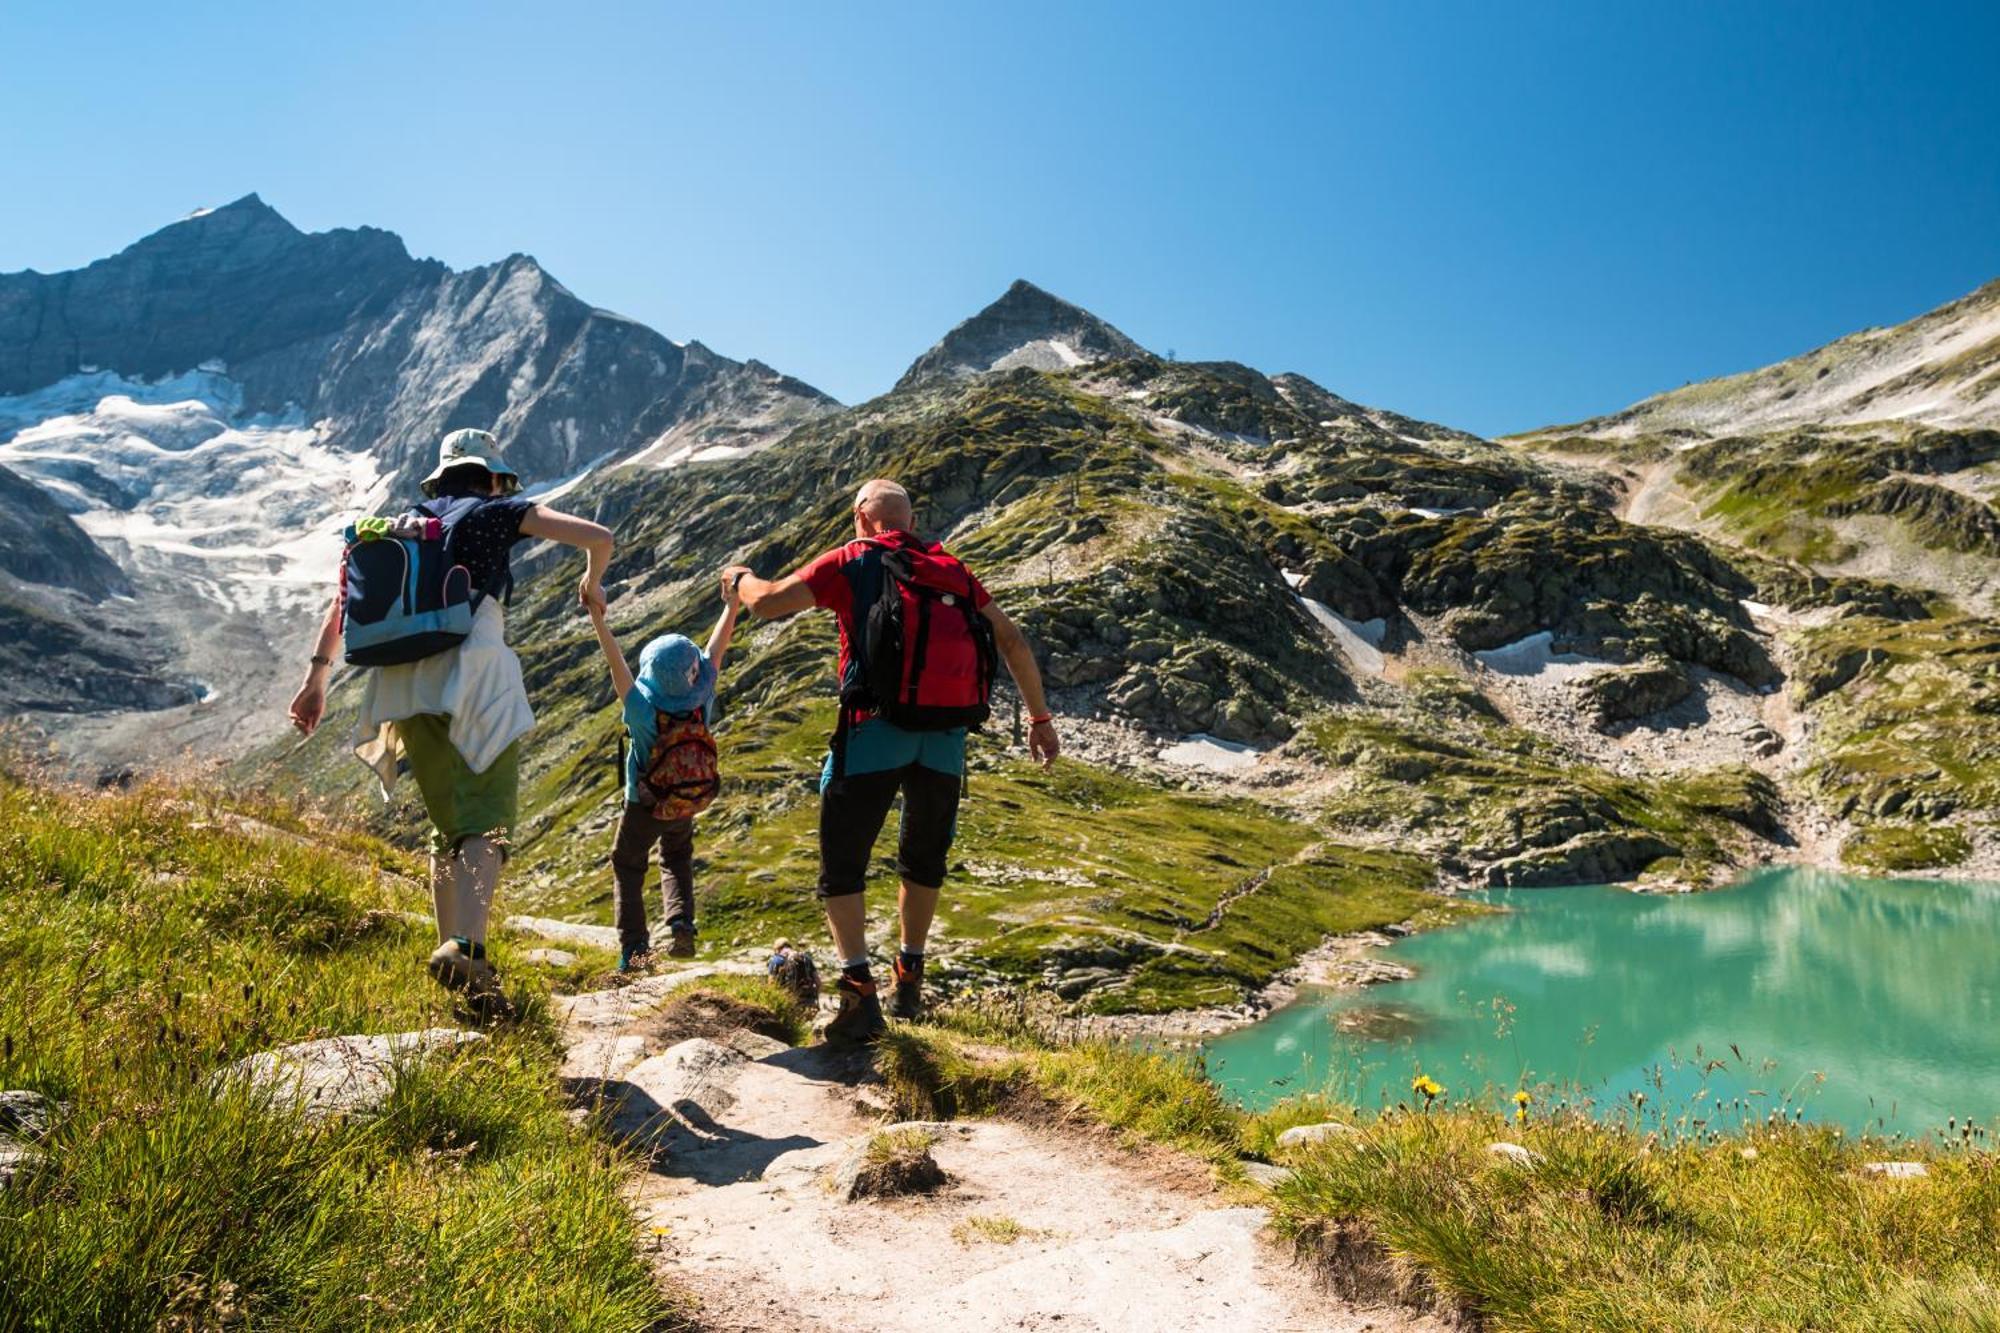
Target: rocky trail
<point>755,1148</point>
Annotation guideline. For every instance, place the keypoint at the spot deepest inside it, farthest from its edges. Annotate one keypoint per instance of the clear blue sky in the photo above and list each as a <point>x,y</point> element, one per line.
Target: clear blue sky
<point>1490,215</point>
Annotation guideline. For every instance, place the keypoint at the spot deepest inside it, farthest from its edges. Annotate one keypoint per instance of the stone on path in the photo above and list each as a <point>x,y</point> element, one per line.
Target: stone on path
<point>1303,1136</point>
<point>564,932</point>
<point>894,1161</point>
<point>549,957</point>
<point>339,1076</point>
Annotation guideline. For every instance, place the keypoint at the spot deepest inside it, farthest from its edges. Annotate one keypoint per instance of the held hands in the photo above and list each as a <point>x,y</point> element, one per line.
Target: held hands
<point>732,579</point>
<point>590,596</point>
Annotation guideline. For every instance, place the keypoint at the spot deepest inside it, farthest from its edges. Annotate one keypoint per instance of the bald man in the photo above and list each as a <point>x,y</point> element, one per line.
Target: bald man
<point>878,760</point>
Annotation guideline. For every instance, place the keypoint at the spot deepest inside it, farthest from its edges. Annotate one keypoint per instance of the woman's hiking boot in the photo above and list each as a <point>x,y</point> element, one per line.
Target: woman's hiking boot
<point>457,962</point>
<point>860,1021</point>
<point>681,945</point>
<point>636,956</point>
<point>907,1004</point>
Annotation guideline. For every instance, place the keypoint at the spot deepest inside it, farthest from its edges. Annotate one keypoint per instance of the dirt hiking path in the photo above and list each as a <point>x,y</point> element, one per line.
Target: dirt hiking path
<point>1038,1227</point>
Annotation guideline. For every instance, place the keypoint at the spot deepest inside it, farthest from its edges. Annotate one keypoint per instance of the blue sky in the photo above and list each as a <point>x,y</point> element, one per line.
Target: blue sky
<point>1493,216</point>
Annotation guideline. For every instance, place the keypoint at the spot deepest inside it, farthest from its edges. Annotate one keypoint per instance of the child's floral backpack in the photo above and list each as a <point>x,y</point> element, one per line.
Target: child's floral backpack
<point>682,777</point>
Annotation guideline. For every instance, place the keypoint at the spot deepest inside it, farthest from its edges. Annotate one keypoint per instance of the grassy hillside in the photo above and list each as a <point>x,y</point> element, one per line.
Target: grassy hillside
<point>1153,527</point>
<point>152,937</point>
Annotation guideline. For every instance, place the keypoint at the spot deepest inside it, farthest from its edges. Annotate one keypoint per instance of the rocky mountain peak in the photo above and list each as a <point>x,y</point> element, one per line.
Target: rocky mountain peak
<point>1027,326</point>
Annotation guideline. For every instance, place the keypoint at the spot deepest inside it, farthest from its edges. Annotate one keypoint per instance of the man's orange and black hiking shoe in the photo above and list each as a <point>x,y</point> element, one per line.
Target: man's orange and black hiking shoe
<point>907,1004</point>
<point>860,1021</point>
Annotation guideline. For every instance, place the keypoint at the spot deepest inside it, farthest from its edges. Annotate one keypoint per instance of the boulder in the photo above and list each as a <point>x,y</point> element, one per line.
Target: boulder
<point>339,1076</point>
<point>1513,1154</point>
<point>1626,694</point>
<point>1267,1175</point>
<point>1302,1136</point>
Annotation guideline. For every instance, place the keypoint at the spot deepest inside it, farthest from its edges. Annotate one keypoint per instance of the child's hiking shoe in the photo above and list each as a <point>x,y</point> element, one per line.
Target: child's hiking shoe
<point>457,962</point>
<point>793,968</point>
<point>682,943</point>
<point>860,1021</point>
<point>907,1004</point>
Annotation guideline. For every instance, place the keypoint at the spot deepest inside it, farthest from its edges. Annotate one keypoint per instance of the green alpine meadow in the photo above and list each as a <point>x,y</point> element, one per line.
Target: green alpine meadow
<point>996,670</point>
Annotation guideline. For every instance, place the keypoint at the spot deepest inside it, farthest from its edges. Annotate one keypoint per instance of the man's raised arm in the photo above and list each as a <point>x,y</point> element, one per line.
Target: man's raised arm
<point>768,599</point>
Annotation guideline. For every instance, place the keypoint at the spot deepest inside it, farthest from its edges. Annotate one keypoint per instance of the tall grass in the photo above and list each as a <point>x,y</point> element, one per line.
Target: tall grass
<point>151,937</point>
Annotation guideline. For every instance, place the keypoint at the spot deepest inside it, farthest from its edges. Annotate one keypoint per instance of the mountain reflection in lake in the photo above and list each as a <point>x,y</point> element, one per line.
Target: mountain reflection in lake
<point>1866,1003</point>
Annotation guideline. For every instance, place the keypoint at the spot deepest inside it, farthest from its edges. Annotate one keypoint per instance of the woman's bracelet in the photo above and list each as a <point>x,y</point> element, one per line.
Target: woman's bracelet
<point>1038,721</point>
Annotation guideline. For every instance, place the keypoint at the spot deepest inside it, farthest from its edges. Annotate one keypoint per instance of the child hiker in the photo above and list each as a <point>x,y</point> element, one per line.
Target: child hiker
<point>670,776</point>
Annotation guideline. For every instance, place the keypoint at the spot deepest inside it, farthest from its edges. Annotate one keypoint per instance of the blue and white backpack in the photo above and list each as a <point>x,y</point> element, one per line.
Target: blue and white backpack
<point>404,593</point>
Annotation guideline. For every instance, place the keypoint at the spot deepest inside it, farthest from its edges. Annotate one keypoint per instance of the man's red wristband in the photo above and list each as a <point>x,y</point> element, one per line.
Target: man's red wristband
<point>1045,717</point>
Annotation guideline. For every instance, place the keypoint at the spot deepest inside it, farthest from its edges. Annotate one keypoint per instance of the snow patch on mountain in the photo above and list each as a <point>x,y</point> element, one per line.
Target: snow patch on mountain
<point>173,479</point>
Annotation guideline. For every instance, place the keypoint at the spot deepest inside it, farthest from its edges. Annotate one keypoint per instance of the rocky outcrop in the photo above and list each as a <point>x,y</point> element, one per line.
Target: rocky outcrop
<point>1938,516</point>
<point>1026,327</point>
<point>39,543</point>
<point>1591,858</point>
<point>1629,693</point>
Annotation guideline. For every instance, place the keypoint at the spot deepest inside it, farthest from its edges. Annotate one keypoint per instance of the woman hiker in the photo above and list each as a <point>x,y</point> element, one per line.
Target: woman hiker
<point>457,717</point>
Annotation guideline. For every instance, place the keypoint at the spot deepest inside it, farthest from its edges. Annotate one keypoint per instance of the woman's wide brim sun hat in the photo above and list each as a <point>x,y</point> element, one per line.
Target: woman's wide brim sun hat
<point>472,448</point>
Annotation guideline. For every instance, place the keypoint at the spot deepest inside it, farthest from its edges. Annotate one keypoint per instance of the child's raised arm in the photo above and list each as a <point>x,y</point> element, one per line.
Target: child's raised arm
<point>725,629</point>
<point>621,675</point>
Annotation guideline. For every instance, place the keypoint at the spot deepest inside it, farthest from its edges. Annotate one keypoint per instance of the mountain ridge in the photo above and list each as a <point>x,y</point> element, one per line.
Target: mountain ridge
<point>1025,326</point>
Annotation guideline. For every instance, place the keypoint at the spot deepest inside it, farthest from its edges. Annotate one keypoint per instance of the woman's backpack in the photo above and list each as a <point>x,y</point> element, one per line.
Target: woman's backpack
<point>682,776</point>
<point>404,593</point>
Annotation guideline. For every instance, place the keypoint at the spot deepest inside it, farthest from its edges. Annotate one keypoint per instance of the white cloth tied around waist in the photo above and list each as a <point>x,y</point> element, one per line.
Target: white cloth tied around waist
<point>477,684</point>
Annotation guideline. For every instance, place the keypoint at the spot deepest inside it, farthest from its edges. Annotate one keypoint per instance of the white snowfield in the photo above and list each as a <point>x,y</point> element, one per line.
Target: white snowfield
<point>1202,750</point>
<point>1359,641</point>
<point>1532,657</point>
<point>1042,354</point>
<point>173,478</point>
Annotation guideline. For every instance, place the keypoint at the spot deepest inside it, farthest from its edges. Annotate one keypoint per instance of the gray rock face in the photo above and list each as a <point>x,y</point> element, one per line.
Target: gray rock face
<point>1025,327</point>
<point>390,351</point>
<point>39,543</point>
<point>339,1076</point>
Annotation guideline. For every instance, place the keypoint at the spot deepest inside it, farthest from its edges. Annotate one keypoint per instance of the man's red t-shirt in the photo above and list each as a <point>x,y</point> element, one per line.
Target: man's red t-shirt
<point>832,589</point>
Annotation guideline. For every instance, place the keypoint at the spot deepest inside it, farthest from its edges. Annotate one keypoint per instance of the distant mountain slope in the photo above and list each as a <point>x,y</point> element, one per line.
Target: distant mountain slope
<point>213,402</point>
<point>1875,455</point>
<point>1025,327</point>
<point>381,352</point>
<point>1941,369</point>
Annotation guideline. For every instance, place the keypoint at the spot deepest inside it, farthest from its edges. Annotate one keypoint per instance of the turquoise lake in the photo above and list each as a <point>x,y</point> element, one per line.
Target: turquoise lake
<point>1872,1004</point>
